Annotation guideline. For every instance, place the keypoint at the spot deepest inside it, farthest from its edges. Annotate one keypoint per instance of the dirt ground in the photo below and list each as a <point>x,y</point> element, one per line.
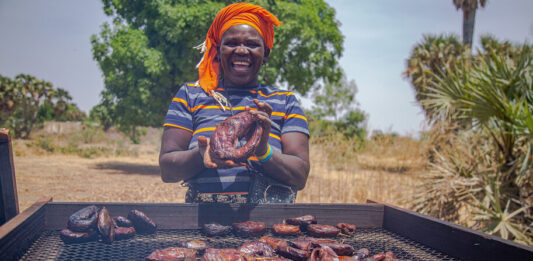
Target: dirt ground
<point>71,178</point>
<point>136,178</point>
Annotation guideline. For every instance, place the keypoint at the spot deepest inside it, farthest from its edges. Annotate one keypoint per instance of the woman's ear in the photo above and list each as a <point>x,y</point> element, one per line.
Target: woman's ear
<point>265,56</point>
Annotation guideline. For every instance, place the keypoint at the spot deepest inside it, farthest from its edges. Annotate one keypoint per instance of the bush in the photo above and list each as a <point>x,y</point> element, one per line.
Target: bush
<point>483,168</point>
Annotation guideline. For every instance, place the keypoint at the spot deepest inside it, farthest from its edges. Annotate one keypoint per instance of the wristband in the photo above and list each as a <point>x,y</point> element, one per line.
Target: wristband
<point>265,157</point>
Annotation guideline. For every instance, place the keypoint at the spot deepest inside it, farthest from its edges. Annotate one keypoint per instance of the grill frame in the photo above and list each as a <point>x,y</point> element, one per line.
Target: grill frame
<point>458,242</point>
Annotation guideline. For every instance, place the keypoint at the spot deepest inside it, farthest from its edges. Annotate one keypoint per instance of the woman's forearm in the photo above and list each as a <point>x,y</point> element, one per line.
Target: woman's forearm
<point>180,165</point>
<point>291,165</point>
<point>288,169</point>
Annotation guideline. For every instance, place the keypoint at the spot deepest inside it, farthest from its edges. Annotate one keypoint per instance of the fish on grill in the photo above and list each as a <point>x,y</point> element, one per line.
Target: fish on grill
<point>172,253</point>
<point>303,243</point>
<point>222,254</point>
<point>323,253</point>
<point>256,249</point>
<point>346,228</point>
<point>273,242</point>
<point>292,252</point>
<point>286,230</point>
<point>302,221</point>
<point>106,227</point>
<point>384,256</point>
<point>340,249</point>
<point>121,221</point>
<point>69,236</point>
<point>249,228</point>
<point>215,229</point>
<point>141,222</point>
<point>361,254</point>
<point>83,219</point>
<point>124,232</point>
<point>198,245</point>
<point>319,230</point>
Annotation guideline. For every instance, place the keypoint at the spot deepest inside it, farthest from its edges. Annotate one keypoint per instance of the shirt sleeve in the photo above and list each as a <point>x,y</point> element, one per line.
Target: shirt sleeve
<point>295,120</point>
<point>179,113</point>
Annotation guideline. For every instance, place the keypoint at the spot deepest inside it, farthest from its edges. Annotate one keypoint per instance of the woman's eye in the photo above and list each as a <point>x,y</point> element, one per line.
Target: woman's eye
<point>252,44</point>
<point>245,44</point>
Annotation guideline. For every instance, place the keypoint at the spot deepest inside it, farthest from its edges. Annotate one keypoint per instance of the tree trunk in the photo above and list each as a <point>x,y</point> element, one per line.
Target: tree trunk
<point>21,129</point>
<point>33,119</point>
<point>469,19</point>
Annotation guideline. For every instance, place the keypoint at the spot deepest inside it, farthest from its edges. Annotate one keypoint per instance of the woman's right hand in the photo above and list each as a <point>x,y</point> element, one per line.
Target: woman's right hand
<point>203,146</point>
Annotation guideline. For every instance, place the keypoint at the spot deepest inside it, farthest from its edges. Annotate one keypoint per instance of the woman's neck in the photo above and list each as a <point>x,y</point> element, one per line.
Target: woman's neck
<point>227,85</point>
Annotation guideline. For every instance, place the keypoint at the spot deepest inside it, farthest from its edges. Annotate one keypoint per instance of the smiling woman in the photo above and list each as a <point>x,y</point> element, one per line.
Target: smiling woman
<point>238,43</point>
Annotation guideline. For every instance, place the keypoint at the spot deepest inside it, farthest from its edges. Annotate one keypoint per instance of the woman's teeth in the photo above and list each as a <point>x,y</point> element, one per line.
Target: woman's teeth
<point>241,63</point>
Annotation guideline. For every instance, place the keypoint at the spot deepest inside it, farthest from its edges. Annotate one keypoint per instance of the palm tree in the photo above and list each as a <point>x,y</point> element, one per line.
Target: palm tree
<point>63,99</point>
<point>435,55</point>
<point>33,92</point>
<point>8,98</point>
<point>494,93</point>
<point>469,8</point>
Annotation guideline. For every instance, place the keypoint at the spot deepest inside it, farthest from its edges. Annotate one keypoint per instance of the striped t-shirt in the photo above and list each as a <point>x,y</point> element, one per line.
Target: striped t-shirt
<point>192,109</point>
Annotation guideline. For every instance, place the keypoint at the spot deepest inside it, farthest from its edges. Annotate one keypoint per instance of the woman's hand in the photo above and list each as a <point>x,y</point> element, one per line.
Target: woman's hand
<point>263,112</point>
<point>203,146</point>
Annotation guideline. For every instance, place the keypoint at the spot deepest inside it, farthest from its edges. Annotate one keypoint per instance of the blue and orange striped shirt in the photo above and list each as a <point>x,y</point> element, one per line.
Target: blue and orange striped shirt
<point>195,111</point>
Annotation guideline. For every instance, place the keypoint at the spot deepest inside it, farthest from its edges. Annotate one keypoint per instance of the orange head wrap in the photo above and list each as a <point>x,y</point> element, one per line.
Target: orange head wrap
<point>241,13</point>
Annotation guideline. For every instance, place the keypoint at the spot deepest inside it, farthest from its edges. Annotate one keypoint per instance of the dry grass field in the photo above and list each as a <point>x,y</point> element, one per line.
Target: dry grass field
<point>80,165</point>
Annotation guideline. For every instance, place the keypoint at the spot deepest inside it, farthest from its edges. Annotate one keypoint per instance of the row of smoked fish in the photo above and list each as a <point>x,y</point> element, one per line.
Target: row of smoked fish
<point>91,223</point>
<point>316,247</point>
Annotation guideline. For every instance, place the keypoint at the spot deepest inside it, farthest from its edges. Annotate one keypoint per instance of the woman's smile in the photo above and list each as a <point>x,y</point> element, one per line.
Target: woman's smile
<point>241,65</point>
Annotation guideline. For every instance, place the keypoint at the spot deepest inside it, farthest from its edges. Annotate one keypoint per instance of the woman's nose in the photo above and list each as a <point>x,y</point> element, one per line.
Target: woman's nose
<point>241,49</point>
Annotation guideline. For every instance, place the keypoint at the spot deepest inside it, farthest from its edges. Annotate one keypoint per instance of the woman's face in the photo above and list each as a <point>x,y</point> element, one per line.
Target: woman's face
<point>242,53</point>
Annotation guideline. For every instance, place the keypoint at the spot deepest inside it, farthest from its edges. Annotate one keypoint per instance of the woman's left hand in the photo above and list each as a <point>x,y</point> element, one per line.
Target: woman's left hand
<point>263,112</point>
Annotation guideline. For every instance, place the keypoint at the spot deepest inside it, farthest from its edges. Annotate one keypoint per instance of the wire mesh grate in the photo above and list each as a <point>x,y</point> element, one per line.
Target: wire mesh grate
<point>49,246</point>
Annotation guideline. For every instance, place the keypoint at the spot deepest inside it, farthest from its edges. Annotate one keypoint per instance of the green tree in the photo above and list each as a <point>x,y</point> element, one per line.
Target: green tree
<point>352,124</point>
<point>469,8</point>
<point>147,54</point>
<point>59,107</point>
<point>62,102</point>
<point>336,110</point>
<point>102,112</point>
<point>334,99</point>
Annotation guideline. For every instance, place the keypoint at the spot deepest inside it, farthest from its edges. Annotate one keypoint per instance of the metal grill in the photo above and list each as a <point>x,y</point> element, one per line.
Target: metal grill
<point>49,246</point>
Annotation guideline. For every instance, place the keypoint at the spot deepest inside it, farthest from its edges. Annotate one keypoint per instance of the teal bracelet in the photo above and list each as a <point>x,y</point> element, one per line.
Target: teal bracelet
<point>268,156</point>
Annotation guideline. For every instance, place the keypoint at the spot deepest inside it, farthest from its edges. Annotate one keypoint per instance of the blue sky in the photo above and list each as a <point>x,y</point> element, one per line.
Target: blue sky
<point>50,40</point>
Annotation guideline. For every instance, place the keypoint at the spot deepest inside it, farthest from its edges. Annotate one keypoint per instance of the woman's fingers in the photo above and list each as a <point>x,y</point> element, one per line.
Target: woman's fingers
<point>230,164</point>
<point>225,164</point>
<point>202,141</point>
<point>263,106</point>
<point>263,112</point>
<point>203,145</point>
<point>210,165</point>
